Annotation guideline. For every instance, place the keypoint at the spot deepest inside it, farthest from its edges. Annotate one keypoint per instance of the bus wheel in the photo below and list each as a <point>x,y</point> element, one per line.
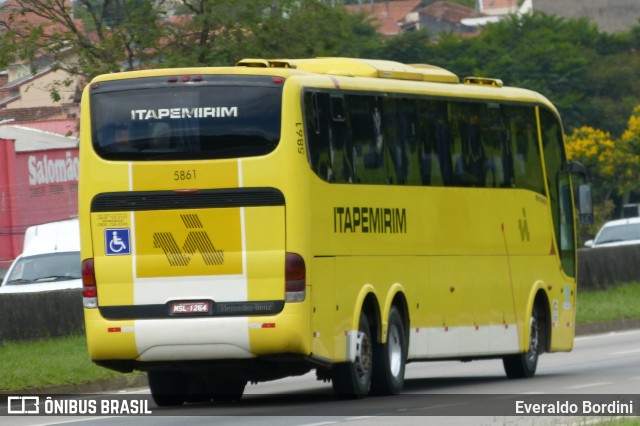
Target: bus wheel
<point>223,389</point>
<point>353,379</point>
<point>168,387</point>
<point>524,365</point>
<point>198,391</point>
<point>389,359</point>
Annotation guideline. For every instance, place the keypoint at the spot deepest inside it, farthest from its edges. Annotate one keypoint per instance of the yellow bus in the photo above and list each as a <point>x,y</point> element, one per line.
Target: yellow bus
<point>248,223</point>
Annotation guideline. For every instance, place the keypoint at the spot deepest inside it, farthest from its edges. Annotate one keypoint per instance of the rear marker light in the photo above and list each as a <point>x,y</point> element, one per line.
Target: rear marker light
<point>295,278</point>
<point>89,288</point>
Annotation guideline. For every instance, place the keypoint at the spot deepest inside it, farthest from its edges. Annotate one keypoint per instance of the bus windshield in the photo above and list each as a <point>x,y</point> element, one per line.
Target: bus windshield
<point>201,120</point>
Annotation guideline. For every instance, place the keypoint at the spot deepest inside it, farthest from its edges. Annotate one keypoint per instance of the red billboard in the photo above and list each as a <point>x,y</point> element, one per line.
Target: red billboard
<point>36,186</point>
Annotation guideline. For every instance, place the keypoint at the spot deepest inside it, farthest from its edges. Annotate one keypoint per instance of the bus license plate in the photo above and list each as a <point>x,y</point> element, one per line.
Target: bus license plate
<point>200,307</point>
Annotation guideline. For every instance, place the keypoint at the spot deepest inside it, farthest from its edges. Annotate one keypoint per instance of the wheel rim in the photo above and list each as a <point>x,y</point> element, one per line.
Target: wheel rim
<point>364,357</point>
<point>394,343</point>
<point>532,355</point>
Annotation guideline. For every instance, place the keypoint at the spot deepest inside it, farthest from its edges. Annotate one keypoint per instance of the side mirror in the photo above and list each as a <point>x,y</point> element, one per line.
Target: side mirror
<point>585,204</point>
<point>588,243</point>
<point>583,201</point>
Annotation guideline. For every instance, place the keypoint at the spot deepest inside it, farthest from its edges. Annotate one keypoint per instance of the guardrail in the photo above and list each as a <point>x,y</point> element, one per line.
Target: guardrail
<point>30,316</point>
<point>604,267</point>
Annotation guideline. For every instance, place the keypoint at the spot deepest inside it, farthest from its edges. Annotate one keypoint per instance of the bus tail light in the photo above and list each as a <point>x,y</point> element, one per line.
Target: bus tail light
<point>89,288</point>
<point>295,278</point>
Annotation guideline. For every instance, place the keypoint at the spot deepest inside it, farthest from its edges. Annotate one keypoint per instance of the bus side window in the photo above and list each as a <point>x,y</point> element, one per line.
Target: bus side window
<point>495,139</point>
<point>468,154</point>
<point>317,119</point>
<point>389,130</point>
<point>374,159</point>
<point>410,174</point>
<point>444,142</point>
<point>527,162</point>
<point>397,132</point>
<point>429,158</point>
<point>365,124</point>
<point>339,141</point>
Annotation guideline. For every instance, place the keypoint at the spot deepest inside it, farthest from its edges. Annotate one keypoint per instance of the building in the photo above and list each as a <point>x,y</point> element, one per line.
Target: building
<point>394,17</point>
<point>388,15</point>
<point>442,17</point>
<point>38,183</point>
<point>610,16</point>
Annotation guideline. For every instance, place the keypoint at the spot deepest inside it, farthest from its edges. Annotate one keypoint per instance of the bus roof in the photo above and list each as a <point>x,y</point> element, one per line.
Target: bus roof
<point>356,67</point>
<point>476,87</point>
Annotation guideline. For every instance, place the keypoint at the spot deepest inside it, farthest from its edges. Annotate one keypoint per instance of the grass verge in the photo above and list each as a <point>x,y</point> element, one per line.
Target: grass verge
<point>48,362</point>
<point>614,304</point>
<point>64,361</point>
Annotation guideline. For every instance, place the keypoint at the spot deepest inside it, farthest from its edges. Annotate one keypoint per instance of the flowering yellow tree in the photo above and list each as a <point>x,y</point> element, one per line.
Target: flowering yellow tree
<point>593,148</point>
<point>629,146</point>
<point>613,165</point>
<point>596,150</point>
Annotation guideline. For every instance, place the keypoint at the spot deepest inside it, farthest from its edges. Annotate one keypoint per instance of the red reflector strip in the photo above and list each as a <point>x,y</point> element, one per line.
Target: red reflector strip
<point>263,325</point>
<point>114,329</point>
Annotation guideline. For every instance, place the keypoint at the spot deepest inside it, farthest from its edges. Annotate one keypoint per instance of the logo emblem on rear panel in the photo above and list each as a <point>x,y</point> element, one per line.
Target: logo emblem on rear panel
<point>197,241</point>
<point>188,243</point>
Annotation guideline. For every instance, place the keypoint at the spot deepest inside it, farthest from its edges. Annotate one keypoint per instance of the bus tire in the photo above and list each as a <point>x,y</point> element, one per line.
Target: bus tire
<point>223,389</point>
<point>168,388</point>
<point>353,379</point>
<point>389,359</point>
<point>524,365</point>
<point>198,391</point>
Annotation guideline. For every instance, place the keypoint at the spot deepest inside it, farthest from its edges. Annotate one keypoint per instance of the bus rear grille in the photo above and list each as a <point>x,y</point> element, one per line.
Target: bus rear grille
<point>170,200</point>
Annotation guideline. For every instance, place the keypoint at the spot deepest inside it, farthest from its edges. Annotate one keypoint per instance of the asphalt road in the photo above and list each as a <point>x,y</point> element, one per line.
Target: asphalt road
<point>602,368</point>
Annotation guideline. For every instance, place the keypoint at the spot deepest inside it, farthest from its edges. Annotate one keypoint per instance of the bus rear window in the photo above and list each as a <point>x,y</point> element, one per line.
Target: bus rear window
<point>142,120</point>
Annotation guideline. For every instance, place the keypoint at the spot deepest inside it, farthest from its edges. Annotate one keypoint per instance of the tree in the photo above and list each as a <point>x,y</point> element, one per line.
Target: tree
<point>90,37</point>
<point>592,77</point>
<point>222,32</point>
<point>612,164</point>
<point>409,47</point>
<point>84,38</point>
<point>595,149</point>
<point>629,156</point>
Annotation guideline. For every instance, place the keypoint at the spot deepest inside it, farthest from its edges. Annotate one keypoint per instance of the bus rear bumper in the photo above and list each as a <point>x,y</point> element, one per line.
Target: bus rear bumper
<point>197,338</point>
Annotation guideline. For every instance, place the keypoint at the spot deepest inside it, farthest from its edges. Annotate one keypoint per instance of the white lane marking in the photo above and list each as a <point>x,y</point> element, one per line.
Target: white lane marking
<point>589,385</point>
<point>633,351</point>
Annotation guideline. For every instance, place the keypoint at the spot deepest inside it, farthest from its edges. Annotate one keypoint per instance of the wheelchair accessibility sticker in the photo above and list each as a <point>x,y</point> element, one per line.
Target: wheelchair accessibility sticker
<point>117,241</point>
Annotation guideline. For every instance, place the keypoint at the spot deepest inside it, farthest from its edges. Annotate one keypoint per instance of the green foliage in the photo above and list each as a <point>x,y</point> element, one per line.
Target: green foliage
<point>112,35</point>
<point>85,40</point>
<point>408,48</point>
<point>612,304</point>
<point>613,164</point>
<point>592,77</point>
<point>61,361</point>
<point>64,361</point>
<point>223,32</point>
